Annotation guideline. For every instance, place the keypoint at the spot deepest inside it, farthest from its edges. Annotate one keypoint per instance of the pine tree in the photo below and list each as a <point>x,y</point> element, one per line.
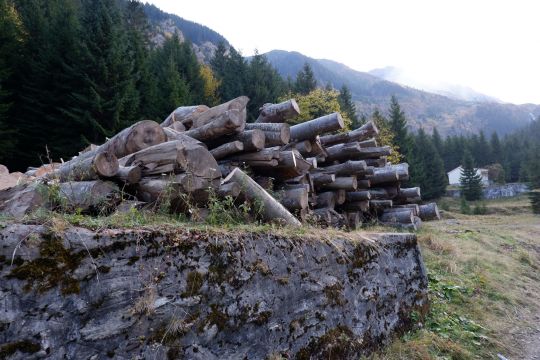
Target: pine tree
<point>305,80</point>
<point>11,40</point>
<point>471,182</point>
<point>263,84</point>
<point>398,125</point>
<point>347,105</point>
<point>496,150</point>
<point>427,167</point>
<point>437,142</point>
<point>386,136</point>
<point>231,71</point>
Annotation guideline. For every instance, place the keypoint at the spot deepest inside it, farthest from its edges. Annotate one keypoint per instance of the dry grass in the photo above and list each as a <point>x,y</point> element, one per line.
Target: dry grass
<point>493,260</point>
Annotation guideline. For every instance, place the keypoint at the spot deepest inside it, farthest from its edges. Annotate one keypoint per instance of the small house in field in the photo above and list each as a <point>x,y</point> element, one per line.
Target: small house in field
<point>454,175</point>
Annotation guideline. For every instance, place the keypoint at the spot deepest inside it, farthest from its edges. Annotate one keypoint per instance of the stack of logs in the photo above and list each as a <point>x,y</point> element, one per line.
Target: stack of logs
<point>312,171</point>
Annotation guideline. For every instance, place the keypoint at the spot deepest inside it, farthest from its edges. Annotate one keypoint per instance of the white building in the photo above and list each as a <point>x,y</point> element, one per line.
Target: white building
<point>454,175</point>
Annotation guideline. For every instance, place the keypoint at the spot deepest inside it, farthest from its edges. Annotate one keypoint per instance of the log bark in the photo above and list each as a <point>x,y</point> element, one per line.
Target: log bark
<point>376,163</point>
<point>397,208</point>
<point>173,188</point>
<point>231,189</point>
<point>263,155</point>
<point>347,183</point>
<point>227,123</point>
<point>173,135</point>
<point>178,126</point>
<point>253,140</point>
<point>101,164</point>
<point>326,200</point>
<point>341,196</point>
<point>368,143</point>
<point>277,113</point>
<point>209,115</point>
<point>349,167</point>
<point>129,174</point>
<point>402,171</point>
<point>413,192</point>
<point>362,133</point>
<point>320,179</point>
<point>429,212</point>
<point>353,151</point>
<point>383,175</point>
<point>276,134</point>
<point>227,149</point>
<point>403,217</point>
<point>175,156</point>
<point>184,115</point>
<point>276,138</point>
<point>294,199</point>
<point>304,147</point>
<point>137,137</point>
<point>353,220</point>
<point>22,199</point>
<point>380,204</point>
<point>358,195</point>
<point>272,210</point>
<point>310,129</point>
<point>363,184</point>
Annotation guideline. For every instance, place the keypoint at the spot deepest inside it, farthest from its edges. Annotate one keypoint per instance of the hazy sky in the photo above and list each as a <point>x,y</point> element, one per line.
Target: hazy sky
<point>491,46</point>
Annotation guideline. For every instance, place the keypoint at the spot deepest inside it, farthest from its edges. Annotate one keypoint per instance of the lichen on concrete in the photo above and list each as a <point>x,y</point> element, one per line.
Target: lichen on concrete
<point>138,294</point>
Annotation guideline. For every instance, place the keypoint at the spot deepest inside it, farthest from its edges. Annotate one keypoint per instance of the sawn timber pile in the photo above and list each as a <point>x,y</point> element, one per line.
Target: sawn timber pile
<point>310,172</point>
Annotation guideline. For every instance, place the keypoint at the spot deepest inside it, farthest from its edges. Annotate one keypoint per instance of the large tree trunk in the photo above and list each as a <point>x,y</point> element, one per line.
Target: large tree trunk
<point>227,123</point>
<point>362,133</point>
<point>403,217</point>
<point>359,195</point>
<point>184,115</point>
<point>349,167</point>
<point>310,129</point>
<point>320,179</point>
<point>276,113</point>
<point>101,164</point>
<point>173,135</point>
<point>179,190</point>
<point>383,175</point>
<point>272,210</point>
<point>294,199</point>
<point>95,196</point>
<point>275,134</point>
<point>129,174</point>
<point>347,183</point>
<point>326,200</point>
<point>175,156</point>
<point>353,151</point>
<point>208,116</point>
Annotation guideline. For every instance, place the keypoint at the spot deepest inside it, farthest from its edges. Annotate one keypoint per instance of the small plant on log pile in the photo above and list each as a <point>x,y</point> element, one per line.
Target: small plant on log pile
<point>208,163</point>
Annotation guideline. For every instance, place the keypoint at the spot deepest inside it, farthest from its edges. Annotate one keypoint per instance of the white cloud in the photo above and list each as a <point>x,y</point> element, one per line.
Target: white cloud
<point>490,46</point>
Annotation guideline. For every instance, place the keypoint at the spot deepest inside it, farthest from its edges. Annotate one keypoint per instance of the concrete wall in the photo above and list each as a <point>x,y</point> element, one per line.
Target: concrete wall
<point>496,191</point>
<point>140,294</point>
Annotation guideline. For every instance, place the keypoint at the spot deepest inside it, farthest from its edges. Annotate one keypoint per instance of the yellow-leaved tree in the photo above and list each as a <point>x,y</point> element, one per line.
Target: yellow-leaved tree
<point>317,103</point>
<point>386,136</point>
<point>211,85</point>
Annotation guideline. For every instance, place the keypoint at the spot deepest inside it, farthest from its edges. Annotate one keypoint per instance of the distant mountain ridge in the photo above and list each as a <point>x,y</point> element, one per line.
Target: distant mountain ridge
<point>423,109</point>
<point>453,91</point>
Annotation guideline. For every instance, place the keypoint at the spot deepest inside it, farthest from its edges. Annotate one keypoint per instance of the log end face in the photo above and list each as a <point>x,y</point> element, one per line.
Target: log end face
<point>106,164</point>
<point>144,134</point>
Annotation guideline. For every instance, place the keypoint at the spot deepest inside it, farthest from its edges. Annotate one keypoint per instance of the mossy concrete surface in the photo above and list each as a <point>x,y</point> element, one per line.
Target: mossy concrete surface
<point>176,293</point>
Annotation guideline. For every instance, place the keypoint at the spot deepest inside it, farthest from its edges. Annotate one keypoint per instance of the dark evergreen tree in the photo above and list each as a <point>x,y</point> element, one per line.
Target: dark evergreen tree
<point>471,182</point>
<point>231,70</point>
<point>534,173</point>
<point>263,84</point>
<point>398,125</point>
<point>437,142</point>
<point>11,41</point>
<point>426,167</point>
<point>496,149</point>
<point>305,80</point>
<point>347,105</point>
<point>481,150</point>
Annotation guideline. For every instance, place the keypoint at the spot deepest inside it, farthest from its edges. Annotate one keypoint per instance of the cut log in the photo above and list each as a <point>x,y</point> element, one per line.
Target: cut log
<point>413,192</point>
<point>353,151</point>
<point>375,163</point>
<point>304,147</point>
<point>402,171</point>
<point>253,140</point>
<point>320,179</point>
<point>88,196</point>
<point>379,194</point>
<point>294,199</point>
<point>326,200</point>
<point>231,189</point>
<point>383,175</point>
<point>226,123</point>
<point>363,184</point>
<point>403,217</point>
<point>177,126</point>
<point>347,183</point>
<point>184,115</point>
<point>368,143</point>
<point>263,155</point>
<point>310,129</point>
<point>129,174</point>
<point>276,134</point>
<point>340,196</point>
<point>227,149</point>
<point>175,156</point>
<point>138,136</point>
<point>414,207</point>
<point>358,195</point>
<point>101,164</point>
<point>277,113</point>
<point>429,212</point>
<point>362,133</point>
<point>174,188</point>
<point>349,167</point>
<point>209,115</point>
<point>272,210</point>
<point>173,135</point>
